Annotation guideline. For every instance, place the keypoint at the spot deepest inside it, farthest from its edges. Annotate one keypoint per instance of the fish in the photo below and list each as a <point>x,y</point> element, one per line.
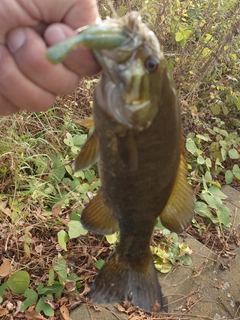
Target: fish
<point>138,144</point>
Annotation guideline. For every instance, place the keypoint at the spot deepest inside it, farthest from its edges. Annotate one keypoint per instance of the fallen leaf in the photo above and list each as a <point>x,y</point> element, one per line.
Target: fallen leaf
<point>39,248</point>
<point>34,315</point>
<point>119,307</point>
<point>5,268</point>
<point>70,285</point>
<point>65,313</point>
<point>56,211</point>
<point>3,311</point>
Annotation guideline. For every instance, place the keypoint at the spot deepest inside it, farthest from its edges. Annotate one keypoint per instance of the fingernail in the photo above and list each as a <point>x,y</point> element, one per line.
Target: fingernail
<point>55,34</point>
<point>16,39</point>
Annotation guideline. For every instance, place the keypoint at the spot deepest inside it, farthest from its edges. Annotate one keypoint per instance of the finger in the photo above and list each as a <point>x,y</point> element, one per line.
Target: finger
<point>19,90</point>
<point>81,61</point>
<point>28,49</point>
<point>29,13</point>
<point>6,107</point>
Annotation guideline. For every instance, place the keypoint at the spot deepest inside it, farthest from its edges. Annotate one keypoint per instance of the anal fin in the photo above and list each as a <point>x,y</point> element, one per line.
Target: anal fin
<point>88,155</point>
<point>178,212</point>
<point>97,217</point>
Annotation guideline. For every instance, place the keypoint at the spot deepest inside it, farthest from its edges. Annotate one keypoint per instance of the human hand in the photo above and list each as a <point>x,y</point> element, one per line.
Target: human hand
<point>27,80</point>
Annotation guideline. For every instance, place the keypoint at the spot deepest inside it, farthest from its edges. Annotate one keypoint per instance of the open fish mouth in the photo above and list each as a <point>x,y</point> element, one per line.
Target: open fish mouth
<point>137,105</point>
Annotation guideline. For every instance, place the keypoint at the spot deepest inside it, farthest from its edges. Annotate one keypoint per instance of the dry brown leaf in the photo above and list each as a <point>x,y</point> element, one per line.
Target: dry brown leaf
<point>3,311</point>
<point>70,285</point>
<point>56,210</point>
<point>39,248</point>
<point>34,315</point>
<point>65,313</point>
<point>5,268</point>
<point>119,307</point>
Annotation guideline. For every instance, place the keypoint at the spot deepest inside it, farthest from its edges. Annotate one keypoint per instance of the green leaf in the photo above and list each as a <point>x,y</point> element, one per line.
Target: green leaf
<point>216,109</point>
<point>60,266</point>
<point>82,188</point>
<point>208,176</point>
<point>79,140</point>
<point>202,209</point>
<point>2,288</point>
<point>204,137</point>
<point>45,307</point>
<point>200,160</point>
<point>187,33</point>
<point>223,215</point>
<point>224,154</point>
<point>217,192</point>
<point>73,277</point>
<point>208,163</point>
<point>31,296</point>
<point>50,289</point>
<point>76,229</point>
<point>69,140</point>
<point>225,109</point>
<point>236,171</point>
<point>213,201</point>
<point>228,176</point>
<point>63,239</point>
<point>89,175</point>
<point>19,282</point>
<point>206,52</point>
<point>51,277</point>
<point>185,260</point>
<point>207,37</point>
<point>162,267</point>
<point>99,264</point>
<point>233,154</point>
<point>178,36</point>
<point>191,146</point>
<point>79,174</point>
<point>112,238</point>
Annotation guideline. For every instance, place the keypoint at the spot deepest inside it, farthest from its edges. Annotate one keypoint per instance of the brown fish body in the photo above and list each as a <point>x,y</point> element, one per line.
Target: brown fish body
<point>137,196</point>
<point>137,142</point>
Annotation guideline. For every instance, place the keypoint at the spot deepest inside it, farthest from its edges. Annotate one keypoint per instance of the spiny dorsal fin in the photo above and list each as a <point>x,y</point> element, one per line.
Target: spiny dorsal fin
<point>88,155</point>
<point>97,217</point>
<point>178,212</point>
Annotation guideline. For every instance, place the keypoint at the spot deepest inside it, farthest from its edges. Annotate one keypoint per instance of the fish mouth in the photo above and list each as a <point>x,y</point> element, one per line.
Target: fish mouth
<point>140,114</point>
<point>137,105</point>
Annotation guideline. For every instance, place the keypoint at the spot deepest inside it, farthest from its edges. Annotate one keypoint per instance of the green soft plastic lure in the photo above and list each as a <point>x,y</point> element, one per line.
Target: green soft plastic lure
<point>95,37</point>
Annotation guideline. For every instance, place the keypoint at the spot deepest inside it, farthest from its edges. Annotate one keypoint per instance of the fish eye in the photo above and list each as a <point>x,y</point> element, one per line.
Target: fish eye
<point>151,65</point>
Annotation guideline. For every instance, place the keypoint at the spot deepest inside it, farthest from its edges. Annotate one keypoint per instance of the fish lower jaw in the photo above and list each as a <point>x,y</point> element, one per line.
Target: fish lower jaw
<point>137,105</point>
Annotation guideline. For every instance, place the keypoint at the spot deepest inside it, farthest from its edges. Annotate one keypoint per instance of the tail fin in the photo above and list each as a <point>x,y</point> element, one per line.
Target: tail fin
<point>118,281</point>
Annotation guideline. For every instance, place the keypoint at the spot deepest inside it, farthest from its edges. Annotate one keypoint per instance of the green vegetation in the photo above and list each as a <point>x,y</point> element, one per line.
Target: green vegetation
<point>41,199</point>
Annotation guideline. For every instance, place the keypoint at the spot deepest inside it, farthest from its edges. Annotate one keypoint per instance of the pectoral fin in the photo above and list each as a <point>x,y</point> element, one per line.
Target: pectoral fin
<point>97,217</point>
<point>178,212</point>
<point>88,155</point>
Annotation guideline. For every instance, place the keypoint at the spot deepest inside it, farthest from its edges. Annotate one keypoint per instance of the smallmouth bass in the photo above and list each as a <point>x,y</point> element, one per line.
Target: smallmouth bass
<point>137,141</point>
